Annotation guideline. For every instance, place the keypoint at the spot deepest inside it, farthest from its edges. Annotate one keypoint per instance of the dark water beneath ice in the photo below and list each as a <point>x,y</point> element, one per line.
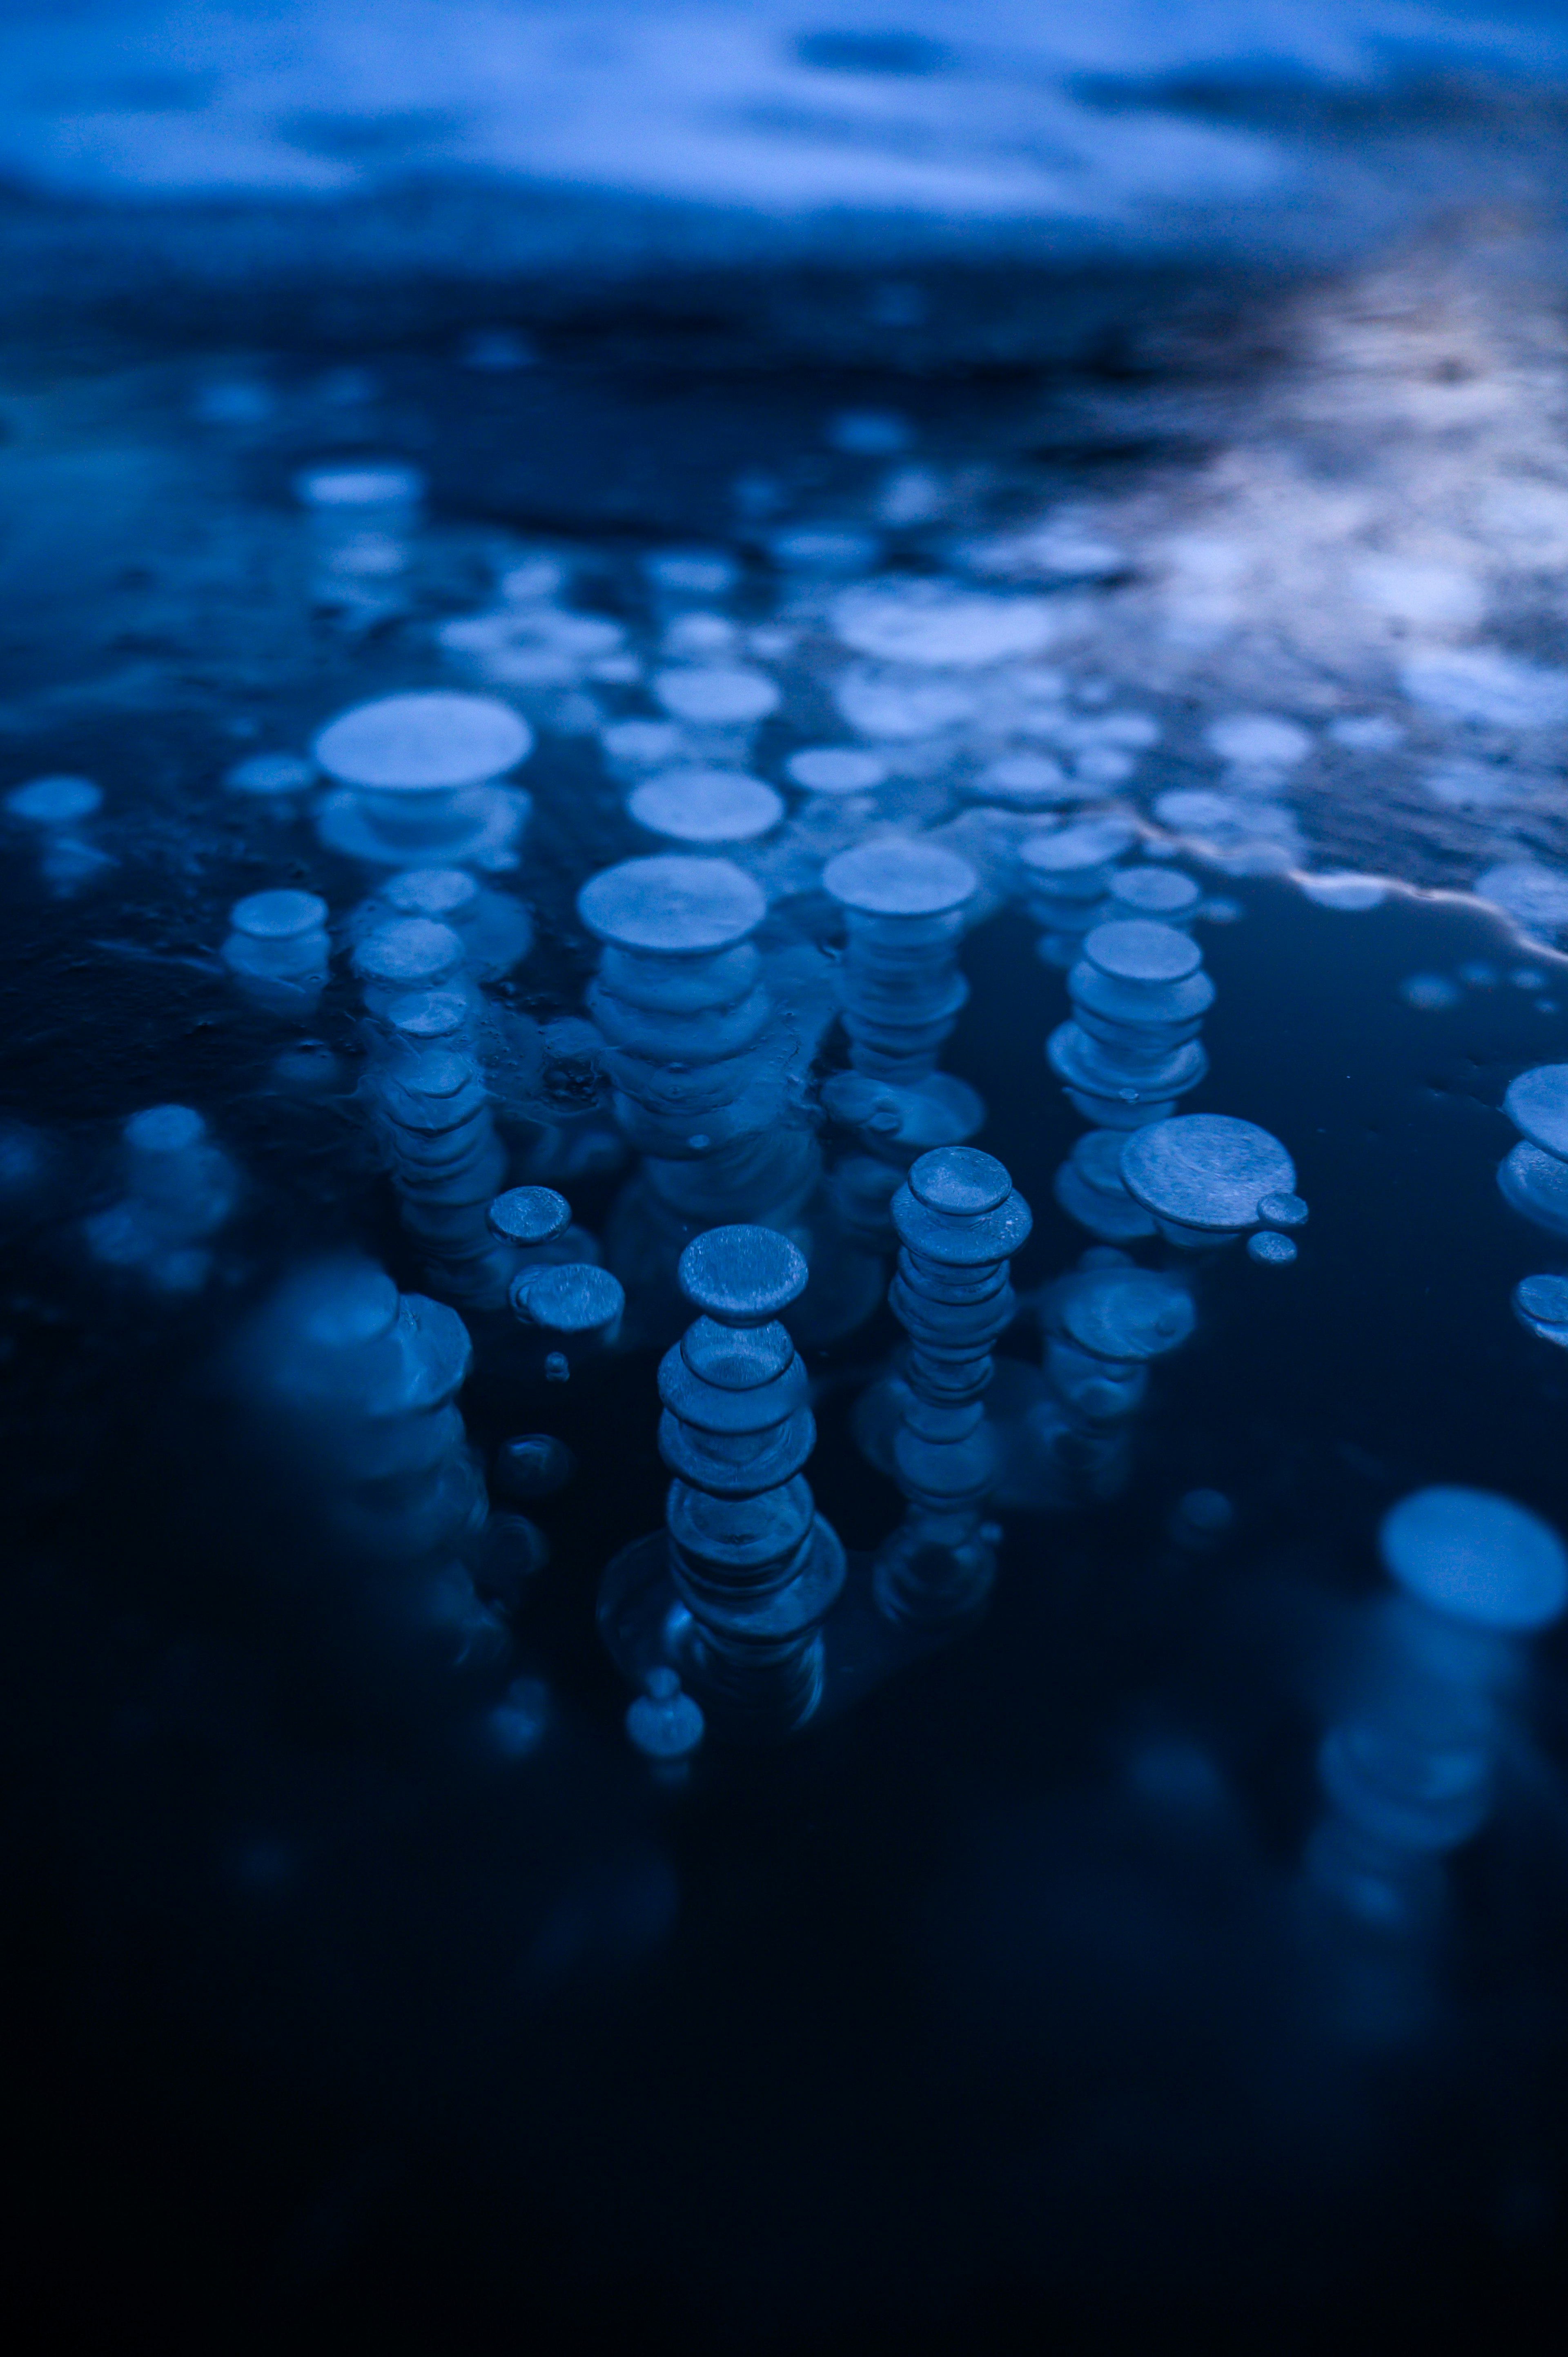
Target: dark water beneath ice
<point>991,2003</point>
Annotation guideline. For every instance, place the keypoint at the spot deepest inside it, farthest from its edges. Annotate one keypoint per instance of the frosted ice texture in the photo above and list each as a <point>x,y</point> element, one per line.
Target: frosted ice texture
<point>959,1220</point>
<point>752,1562</point>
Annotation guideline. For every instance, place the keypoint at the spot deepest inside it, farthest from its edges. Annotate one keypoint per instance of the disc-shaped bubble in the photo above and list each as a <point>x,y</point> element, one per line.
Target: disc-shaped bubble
<point>673,904</point>
<point>1205,1170</point>
<point>1127,1313</point>
<point>900,877</point>
<point>1476,1558</point>
<point>706,806</point>
<point>1536,1105</point>
<point>742,1275</point>
<point>418,743</point>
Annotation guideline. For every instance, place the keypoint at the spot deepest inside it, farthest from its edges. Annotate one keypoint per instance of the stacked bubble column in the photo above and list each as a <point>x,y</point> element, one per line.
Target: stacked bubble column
<point>1533,1177</point>
<point>753,1564</point>
<point>1104,1325</point>
<point>905,903</point>
<point>1408,1773</point>
<point>697,1060</point>
<point>1065,873</point>
<point>958,1220</point>
<point>357,1385</point>
<point>1129,1053</point>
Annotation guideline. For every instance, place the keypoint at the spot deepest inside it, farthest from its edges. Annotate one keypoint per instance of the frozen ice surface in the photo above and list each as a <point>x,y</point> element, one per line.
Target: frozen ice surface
<point>1476,1558</point>
<point>702,806</point>
<point>1205,1171</point>
<point>423,743</point>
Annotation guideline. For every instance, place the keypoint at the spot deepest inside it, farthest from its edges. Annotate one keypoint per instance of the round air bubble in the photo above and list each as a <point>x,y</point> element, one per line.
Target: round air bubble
<point>1476,1558</point>
<point>423,743</point>
<point>263,774</point>
<point>1161,893</point>
<point>1074,850</point>
<point>742,1276</point>
<point>692,572</point>
<point>900,877</point>
<point>1136,950</point>
<point>1536,1105</point>
<point>1282,1211</point>
<point>528,1215</point>
<point>933,627</point>
<point>1536,1184</point>
<point>836,769</point>
<point>55,802</point>
<point>1205,1171</point>
<point>823,549</point>
<point>438,892</point>
<point>664,1724</point>
<point>1024,782</point>
<point>574,1297</point>
<point>408,952</point>
<point>164,1129</point>
<point>672,905</point>
<point>959,1180</point>
<point>1430,994</point>
<point>1273,1251</point>
<point>1534,894</point>
<point>533,1465</point>
<point>339,488</point>
<point>716,697</point>
<point>278,916</point>
<point>1541,1304</point>
<point>1258,740</point>
<point>1130,1314</point>
<point>897,708</point>
<point>706,806</point>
